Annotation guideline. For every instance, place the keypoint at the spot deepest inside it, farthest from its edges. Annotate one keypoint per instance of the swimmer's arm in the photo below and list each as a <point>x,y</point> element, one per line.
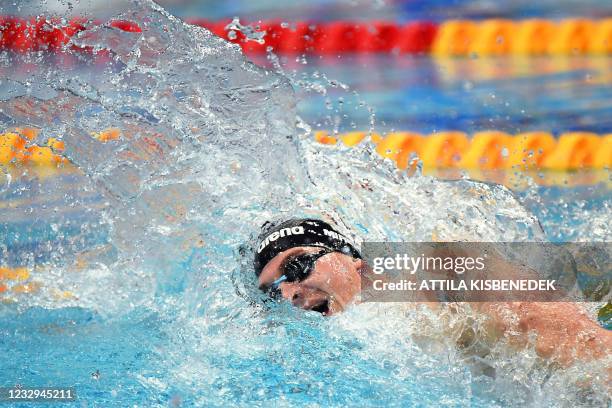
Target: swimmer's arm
<point>563,331</point>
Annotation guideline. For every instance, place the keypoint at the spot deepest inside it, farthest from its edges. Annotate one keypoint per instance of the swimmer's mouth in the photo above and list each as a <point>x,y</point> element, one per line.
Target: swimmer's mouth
<point>322,308</point>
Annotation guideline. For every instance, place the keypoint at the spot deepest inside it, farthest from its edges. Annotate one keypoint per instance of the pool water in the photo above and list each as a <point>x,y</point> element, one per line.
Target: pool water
<point>140,290</point>
<point>424,94</point>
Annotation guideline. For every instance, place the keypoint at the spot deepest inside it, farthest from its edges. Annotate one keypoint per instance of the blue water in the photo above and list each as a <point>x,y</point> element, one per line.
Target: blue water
<point>402,10</point>
<point>136,356</point>
<point>188,335</point>
<point>424,94</point>
<point>123,361</point>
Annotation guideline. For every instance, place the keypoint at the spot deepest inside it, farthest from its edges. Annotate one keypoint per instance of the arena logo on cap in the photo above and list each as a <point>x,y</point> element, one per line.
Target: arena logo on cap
<point>298,230</point>
<point>336,235</point>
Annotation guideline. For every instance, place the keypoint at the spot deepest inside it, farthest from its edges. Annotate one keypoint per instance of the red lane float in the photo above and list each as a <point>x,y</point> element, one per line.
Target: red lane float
<point>449,38</point>
<point>129,26</point>
<point>338,37</point>
<point>37,34</point>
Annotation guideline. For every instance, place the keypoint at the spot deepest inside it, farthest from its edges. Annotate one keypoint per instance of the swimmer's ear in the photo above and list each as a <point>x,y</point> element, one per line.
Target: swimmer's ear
<point>360,265</point>
<point>365,272</point>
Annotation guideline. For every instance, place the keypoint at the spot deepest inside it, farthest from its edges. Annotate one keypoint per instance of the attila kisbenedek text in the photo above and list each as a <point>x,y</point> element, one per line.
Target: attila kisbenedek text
<point>458,265</point>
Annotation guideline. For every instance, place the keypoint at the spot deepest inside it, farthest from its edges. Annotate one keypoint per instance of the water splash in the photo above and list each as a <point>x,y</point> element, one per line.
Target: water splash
<point>209,150</point>
<point>251,33</point>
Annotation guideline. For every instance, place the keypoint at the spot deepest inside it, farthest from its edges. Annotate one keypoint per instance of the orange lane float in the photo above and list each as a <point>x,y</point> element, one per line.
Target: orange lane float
<point>572,37</point>
<point>15,280</point>
<point>444,149</point>
<point>601,39</point>
<point>11,144</point>
<point>400,147</point>
<point>493,37</point>
<point>353,138</point>
<point>16,147</point>
<point>603,155</point>
<point>454,38</point>
<point>574,150</point>
<point>532,37</point>
<point>530,149</point>
<point>14,274</point>
<point>573,158</point>
<point>447,149</point>
<point>108,135</point>
<point>449,38</point>
<point>323,138</point>
<point>488,150</point>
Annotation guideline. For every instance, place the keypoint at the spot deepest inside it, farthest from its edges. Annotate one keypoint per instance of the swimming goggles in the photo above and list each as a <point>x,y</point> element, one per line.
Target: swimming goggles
<point>296,269</point>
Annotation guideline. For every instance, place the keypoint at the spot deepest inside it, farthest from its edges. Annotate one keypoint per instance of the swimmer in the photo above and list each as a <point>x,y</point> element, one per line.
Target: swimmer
<point>314,267</point>
<point>310,264</point>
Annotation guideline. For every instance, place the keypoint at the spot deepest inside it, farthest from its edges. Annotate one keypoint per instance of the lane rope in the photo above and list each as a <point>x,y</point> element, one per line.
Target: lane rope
<point>490,149</point>
<point>449,38</point>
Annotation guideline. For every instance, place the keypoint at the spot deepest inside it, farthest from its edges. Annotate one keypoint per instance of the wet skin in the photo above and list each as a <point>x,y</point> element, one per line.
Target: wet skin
<point>564,332</point>
<point>330,288</point>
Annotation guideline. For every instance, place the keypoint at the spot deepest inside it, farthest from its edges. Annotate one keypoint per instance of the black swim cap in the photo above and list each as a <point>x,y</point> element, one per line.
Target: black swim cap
<point>299,232</point>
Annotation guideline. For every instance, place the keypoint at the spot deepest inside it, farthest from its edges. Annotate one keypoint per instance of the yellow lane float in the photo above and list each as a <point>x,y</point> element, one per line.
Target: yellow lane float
<point>572,37</point>
<point>601,37</point>
<point>16,148</point>
<point>443,149</point>
<point>454,38</point>
<point>353,138</point>
<point>573,151</point>
<point>603,155</point>
<point>108,135</point>
<point>530,149</point>
<point>532,37</point>
<point>523,37</point>
<point>15,280</point>
<point>487,155</point>
<point>493,37</point>
<point>489,149</point>
<point>400,147</point>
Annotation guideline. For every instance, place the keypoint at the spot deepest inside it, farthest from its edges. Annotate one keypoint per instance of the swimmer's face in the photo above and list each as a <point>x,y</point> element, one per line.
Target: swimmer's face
<point>330,288</point>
